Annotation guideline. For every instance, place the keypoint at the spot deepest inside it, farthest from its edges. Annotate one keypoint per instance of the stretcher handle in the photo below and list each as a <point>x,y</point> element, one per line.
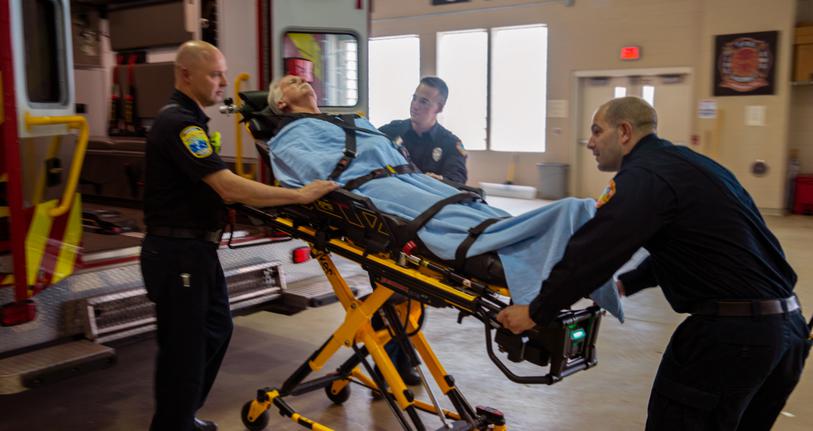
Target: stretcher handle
<point>74,122</point>
<point>547,379</point>
<point>238,130</point>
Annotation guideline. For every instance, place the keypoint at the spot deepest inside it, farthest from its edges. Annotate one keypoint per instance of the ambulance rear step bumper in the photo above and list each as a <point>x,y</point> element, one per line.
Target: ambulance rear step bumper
<point>120,315</point>
<point>29,370</point>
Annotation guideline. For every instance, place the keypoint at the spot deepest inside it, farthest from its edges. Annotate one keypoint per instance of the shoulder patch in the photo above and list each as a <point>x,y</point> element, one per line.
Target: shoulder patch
<point>195,140</point>
<point>460,149</point>
<point>608,194</point>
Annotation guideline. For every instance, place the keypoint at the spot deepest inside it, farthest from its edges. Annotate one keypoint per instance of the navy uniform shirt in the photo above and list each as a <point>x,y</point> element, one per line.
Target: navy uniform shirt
<point>178,156</point>
<point>706,238</point>
<point>437,150</point>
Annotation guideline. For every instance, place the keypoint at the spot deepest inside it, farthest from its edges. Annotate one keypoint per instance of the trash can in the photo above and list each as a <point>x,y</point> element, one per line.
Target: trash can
<point>552,180</point>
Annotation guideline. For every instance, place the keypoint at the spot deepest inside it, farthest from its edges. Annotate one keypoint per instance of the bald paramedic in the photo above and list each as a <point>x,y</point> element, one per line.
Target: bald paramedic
<point>735,360</point>
<point>187,186</point>
<point>433,148</point>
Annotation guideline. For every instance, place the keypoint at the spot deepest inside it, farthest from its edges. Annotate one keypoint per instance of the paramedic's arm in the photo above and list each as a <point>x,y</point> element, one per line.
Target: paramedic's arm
<point>234,188</point>
<point>454,167</point>
<point>641,205</point>
<point>638,279</point>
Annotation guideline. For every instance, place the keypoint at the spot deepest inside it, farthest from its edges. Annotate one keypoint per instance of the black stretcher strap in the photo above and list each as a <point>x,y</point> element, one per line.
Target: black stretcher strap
<point>387,171</point>
<point>349,146</point>
<point>463,248</point>
<point>417,223</point>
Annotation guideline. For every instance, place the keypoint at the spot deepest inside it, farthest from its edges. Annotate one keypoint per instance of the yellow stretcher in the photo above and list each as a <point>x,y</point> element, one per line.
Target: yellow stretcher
<point>350,226</point>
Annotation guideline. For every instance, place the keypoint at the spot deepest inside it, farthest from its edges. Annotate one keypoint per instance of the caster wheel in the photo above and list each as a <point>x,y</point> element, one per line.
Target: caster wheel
<point>259,423</point>
<point>340,397</point>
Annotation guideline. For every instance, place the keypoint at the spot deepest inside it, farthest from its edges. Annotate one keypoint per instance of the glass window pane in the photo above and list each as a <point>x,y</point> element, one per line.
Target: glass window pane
<point>620,92</point>
<point>45,76</point>
<point>462,61</point>
<point>394,74</point>
<point>334,58</point>
<point>648,93</point>
<point>519,57</point>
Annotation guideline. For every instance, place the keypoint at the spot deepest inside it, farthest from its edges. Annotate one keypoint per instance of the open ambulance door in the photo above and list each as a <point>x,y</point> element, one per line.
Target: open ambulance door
<point>39,237</point>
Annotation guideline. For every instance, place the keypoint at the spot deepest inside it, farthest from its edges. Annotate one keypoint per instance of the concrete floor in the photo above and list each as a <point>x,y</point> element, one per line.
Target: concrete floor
<point>267,347</point>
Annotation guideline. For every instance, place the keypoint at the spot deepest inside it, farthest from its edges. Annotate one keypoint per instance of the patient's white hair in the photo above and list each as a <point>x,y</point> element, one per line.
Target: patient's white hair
<point>274,95</point>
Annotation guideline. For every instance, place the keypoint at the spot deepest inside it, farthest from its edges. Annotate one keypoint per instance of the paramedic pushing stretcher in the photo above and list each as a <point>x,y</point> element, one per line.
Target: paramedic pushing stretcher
<point>733,363</point>
<point>186,186</point>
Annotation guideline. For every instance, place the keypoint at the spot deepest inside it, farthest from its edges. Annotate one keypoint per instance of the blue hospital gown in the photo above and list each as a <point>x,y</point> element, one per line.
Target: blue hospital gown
<point>529,245</point>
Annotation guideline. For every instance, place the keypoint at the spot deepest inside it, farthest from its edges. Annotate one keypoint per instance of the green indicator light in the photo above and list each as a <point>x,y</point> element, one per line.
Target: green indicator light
<point>577,334</point>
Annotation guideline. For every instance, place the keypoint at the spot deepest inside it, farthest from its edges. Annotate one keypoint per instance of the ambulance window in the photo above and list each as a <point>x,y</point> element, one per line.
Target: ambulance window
<point>330,61</point>
<point>44,51</point>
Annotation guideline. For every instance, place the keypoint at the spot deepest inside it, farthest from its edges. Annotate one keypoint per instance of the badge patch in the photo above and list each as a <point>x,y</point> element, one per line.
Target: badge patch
<point>606,195</point>
<point>196,141</point>
<point>437,153</point>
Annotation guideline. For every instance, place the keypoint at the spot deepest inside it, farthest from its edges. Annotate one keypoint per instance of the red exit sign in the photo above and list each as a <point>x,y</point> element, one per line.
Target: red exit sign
<point>632,52</point>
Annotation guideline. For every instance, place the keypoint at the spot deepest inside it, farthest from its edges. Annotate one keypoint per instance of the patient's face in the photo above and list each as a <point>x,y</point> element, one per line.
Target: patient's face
<point>296,92</point>
<point>425,106</point>
<point>605,143</point>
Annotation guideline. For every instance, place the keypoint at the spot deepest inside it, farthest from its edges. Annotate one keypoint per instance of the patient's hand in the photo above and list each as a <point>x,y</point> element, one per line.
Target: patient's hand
<point>516,318</point>
<point>316,190</point>
<point>434,175</point>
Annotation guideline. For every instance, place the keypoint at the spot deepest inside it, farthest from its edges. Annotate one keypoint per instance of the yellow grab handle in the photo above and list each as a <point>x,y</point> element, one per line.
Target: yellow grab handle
<point>73,122</point>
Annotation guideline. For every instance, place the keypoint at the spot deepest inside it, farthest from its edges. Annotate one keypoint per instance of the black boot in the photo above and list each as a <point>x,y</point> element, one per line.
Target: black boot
<point>202,425</point>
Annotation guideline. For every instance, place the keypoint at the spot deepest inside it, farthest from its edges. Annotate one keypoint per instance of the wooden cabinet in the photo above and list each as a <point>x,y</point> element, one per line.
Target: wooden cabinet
<point>803,54</point>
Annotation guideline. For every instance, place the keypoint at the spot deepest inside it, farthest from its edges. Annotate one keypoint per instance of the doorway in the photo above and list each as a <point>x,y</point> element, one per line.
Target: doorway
<point>668,90</point>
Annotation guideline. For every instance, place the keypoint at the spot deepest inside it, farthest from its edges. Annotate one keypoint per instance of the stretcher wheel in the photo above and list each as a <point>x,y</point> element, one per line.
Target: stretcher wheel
<point>340,397</point>
<point>258,424</point>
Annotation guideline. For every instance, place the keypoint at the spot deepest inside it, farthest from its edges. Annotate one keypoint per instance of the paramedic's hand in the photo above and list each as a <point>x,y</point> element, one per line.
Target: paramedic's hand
<point>316,190</point>
<point>434,175</point>
<point>516,318</point>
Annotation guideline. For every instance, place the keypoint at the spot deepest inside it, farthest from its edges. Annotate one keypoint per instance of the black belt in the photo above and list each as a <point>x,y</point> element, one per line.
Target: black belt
<point>212,236</point>
<point>761,307</point>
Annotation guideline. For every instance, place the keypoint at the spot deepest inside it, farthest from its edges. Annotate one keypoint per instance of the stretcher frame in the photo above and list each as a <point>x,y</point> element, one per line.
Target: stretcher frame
<point>350,226</point>
<point>426,283</point>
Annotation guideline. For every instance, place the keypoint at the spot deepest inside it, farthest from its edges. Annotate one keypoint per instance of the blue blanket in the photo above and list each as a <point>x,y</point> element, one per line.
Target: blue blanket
<point>529,245</point>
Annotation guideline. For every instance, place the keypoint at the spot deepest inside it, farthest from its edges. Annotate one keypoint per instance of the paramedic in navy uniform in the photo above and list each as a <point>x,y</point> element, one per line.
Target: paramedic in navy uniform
<point>186,186</point>
<point>434,150</point>
<point>735,360</point>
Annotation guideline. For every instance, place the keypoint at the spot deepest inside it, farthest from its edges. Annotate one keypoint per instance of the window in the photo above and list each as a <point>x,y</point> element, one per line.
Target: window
<point>394,74</point>
<point>462,61</point>
<point>334,59</point>
<point>501,108</point>
<point>45,69</point>
<point>648,93</point>
<point>620,92</point>
<point>519,57</point>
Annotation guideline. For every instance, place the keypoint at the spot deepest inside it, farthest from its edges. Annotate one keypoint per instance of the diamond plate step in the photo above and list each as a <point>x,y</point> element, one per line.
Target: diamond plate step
<point>28,370</point>
<point>124,314</point>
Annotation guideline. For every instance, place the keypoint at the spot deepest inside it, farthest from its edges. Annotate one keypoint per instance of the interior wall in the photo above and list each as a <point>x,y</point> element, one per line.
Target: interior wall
<point>800,132</point>
<point>588,36</point>
<point>728,139</point>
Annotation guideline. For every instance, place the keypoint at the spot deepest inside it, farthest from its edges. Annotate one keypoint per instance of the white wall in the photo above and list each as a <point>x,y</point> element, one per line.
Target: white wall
<point>589,35</point>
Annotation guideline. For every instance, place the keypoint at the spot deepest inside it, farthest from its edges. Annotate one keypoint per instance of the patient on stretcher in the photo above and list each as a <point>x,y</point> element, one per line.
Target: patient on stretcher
<point>309,147</point>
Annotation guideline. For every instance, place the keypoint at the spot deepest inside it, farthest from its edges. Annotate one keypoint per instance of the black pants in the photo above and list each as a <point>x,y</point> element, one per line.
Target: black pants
<point>185,280</point>
<point>728,373</point>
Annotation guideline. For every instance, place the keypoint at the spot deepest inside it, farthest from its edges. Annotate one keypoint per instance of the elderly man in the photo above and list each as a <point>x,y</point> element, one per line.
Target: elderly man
<point>186,186</point>
<point>736,359</point>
